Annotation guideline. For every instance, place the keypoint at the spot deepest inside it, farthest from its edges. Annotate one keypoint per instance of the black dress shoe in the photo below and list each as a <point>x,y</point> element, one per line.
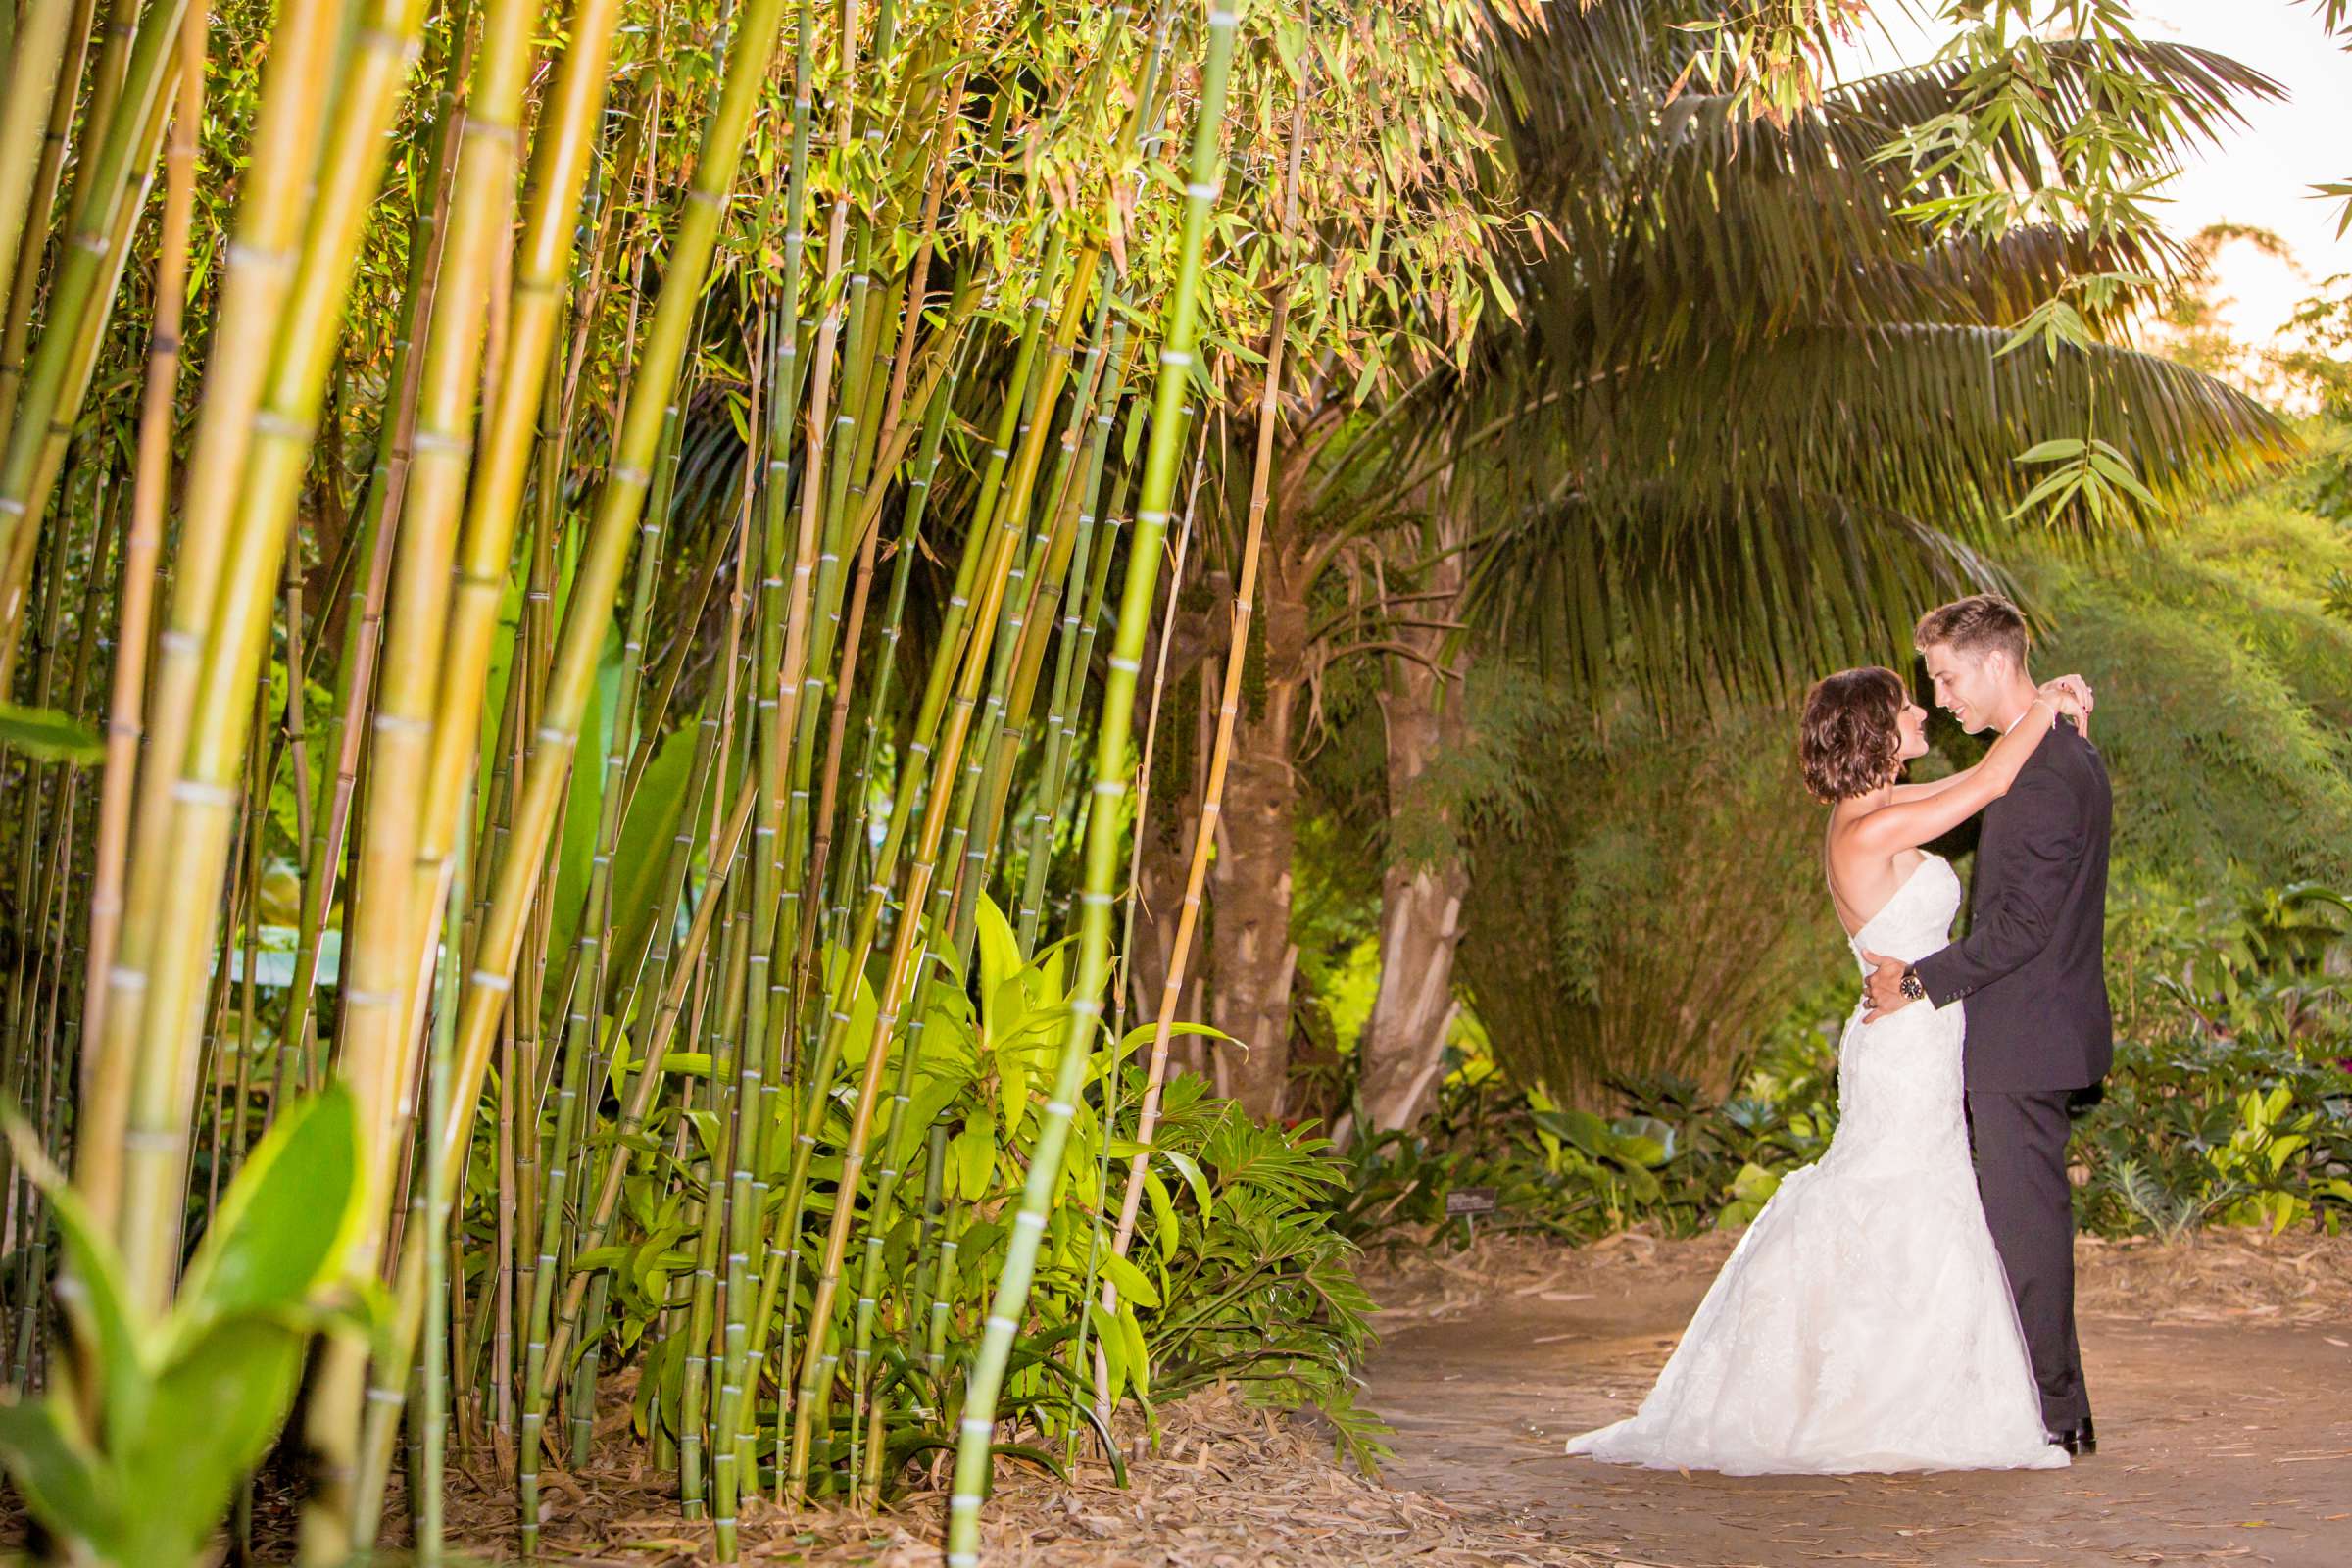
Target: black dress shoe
<point>2081,1439</point>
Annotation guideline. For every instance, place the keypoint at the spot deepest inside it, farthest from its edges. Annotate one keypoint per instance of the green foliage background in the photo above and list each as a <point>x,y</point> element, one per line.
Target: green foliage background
<point>1649,901</point>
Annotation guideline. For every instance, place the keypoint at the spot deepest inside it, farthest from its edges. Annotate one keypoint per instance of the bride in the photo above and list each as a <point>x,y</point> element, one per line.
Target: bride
<point>1864,1322</point>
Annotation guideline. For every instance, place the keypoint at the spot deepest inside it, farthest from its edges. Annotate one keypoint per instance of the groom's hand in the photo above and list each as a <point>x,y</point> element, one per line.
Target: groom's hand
<point>1884,990</point>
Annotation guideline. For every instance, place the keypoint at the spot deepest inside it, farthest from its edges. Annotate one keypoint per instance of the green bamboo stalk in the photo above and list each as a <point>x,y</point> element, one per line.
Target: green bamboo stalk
<point>595,581</point>
<point>1079,613</point>
<point>905,957</point>
<point>1244,596</point>
<point>432,1226</point>
<point>976,1428</point>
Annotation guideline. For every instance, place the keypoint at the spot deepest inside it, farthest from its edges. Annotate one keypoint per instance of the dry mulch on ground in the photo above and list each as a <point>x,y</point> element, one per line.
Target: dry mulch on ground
<point>2216,1276</point>
<point>1438,1280</point>
<point>1233,1486</point>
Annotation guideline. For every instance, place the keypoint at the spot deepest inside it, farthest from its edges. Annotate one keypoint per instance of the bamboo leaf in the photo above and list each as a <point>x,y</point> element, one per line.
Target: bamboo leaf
<point>1131,1281</point>
<point>49,736</point>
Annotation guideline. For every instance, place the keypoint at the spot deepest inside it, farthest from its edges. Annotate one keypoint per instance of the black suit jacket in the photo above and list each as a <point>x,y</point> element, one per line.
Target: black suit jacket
<point>2032,965</point>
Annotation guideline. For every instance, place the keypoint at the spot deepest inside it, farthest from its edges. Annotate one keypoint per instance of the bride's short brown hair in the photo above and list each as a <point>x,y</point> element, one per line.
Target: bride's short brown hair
<point>1850,739</point>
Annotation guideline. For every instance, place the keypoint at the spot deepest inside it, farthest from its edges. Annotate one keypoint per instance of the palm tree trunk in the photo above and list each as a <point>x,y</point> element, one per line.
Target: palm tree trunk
<point>1404,1045</point>
<point>1251,953</point>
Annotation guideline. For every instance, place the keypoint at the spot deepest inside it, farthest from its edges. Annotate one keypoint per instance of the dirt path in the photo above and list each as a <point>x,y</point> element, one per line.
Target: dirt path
<point>2225,1429</point>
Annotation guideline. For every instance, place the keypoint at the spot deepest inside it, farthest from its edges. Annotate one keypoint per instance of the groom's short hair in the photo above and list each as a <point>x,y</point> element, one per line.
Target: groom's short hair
<point>1976,625</point>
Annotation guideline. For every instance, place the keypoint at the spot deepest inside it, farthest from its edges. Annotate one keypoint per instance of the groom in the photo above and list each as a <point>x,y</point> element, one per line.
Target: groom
<point>2032,968</point>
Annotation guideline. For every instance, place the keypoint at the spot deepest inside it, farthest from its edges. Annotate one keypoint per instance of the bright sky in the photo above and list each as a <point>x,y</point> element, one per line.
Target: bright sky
<point>2260,175</point>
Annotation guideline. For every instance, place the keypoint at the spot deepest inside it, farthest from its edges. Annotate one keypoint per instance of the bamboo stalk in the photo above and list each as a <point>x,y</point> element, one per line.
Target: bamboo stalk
<point>976,1428</point>
<point>1229,699</point>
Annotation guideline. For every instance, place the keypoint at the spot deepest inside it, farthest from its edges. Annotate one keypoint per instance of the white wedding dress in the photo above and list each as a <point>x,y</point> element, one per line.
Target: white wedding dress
<point>1864,1322</point>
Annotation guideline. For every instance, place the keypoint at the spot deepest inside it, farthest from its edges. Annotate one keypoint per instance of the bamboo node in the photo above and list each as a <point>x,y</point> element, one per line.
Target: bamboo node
<point>196,791</point>
<point>257,256</point>
<point>490,980</point>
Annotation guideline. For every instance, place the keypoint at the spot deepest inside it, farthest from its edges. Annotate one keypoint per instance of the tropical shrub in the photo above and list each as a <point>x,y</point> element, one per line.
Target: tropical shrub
<point>2229,1101</point>
<point>134,1459</point>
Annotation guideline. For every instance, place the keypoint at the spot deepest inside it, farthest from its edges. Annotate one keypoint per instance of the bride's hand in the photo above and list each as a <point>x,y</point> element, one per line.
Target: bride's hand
<point>2070,696</point>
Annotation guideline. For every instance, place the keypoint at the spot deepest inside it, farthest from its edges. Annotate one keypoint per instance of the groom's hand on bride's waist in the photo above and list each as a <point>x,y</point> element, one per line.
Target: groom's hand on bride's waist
<point>1882,991</point>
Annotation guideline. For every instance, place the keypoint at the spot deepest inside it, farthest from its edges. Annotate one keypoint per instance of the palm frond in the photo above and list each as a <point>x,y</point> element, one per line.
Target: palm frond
<point>1663,203</point>
<point>1924,418</point>
<point>1748,592</point>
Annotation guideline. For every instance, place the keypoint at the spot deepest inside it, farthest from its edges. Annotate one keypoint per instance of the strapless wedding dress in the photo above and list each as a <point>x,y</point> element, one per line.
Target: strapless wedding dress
<point>1864,1322</point>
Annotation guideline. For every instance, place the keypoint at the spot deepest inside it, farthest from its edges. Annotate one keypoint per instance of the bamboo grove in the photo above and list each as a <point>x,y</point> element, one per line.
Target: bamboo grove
<point>575,585</point>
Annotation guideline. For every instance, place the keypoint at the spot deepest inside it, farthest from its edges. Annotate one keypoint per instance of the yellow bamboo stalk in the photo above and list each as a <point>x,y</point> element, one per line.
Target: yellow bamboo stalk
<point>149,486</point>
<point>253,293</point>
<point>381,959</point>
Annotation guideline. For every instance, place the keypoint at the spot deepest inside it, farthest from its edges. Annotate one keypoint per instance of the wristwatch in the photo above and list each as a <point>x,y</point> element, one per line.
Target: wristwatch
<point>1910,985</point>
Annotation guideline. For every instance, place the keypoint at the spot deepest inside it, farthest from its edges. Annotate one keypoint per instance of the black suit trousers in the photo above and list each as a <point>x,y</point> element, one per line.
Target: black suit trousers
<point>2020,1145</point>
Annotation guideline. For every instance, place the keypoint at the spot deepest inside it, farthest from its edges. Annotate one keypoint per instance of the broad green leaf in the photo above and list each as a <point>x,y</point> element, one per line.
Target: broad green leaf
<point>973,1152</point>
<point>608,1256</point>
<point>931,1096</point>
<point>1000,954</point>
<point>1012,1085</point>
<point>1138,1354</point>
<point>1165,1228</point>
<point>1190,1169</point>
<point>217,1406</point>
<point>1582,1128</point>
<point>63,1485</point>
<point>1133,1283</point>
<point>1142,1033</point>
<point>1754,1183</point>
<point>2051,451</point>
<point>1113,1338</point>
<point>286,1221</point>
